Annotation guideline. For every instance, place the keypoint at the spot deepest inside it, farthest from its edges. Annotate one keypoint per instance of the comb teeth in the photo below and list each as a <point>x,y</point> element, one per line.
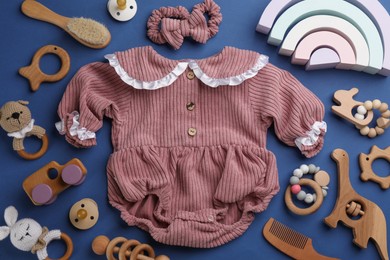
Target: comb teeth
<point>288,235</point>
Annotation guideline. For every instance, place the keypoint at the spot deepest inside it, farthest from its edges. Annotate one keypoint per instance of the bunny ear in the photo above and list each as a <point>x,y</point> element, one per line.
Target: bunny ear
<point>10,216</point>
<point>4,232</point>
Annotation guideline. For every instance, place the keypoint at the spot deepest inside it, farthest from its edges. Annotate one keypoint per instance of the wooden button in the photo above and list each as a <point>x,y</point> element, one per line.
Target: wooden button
<point>322,178</point>
<point>190,106</point>
<point>190,75</point>
<point>191,131</point>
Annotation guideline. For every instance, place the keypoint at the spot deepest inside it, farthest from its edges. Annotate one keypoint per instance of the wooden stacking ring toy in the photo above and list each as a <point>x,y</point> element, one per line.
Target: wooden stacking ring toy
<point>129,248</point>
<point>69,247</point>
<point>366,161</point>
<point>32,156</point>
<point>44,185</point>
<point>34,73</point>
<point>84,214</point>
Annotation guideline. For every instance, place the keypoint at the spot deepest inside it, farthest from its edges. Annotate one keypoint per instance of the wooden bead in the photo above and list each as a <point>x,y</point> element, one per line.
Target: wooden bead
<point>382,122</point>
<point>322,178</point>
<point>361,110</point>
<point>99,245</point>
<point>376,103</point>
<point>162,257</point>
<point>368,105</point>
<point>379,130</point>
<point>365,130</point>
<point>386,114</point>
<point>383,107</point>
<point>372,133</point>
<point>359,116</point>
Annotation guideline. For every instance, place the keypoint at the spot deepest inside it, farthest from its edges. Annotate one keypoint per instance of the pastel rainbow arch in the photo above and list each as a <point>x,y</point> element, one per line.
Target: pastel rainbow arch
<point>368,17</point>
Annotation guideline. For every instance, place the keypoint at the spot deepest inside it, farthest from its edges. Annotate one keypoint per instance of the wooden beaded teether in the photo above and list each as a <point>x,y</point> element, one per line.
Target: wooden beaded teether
<point>319,185</point>
<point>364,115</point>
<point>34,73</point>
<point>366,161</point>
<point>130,249</point>
<point>362,215</point>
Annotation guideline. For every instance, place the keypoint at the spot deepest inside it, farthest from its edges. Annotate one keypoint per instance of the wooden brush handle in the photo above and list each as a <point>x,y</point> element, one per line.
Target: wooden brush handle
<point>38,11</point>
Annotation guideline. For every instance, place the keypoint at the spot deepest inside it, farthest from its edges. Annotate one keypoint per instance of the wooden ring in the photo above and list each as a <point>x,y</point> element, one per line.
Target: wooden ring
<point>34,73</point>
<point>69,247</point>
<point>113,248</point>
<point>304,211</point>
<point>125,250</point>
<point>143,247</point>
<point>33,156</point>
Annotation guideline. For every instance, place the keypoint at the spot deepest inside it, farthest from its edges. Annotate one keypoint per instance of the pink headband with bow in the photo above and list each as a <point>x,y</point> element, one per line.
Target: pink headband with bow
<point>177,23</point>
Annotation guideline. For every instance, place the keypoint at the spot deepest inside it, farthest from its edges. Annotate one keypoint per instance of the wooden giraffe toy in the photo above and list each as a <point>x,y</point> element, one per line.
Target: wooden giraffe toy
<point>364,217</point>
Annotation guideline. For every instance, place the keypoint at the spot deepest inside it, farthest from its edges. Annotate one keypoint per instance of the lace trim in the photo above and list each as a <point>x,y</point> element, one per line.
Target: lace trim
<point>179,69</point>
<point>312,135</point>
<point>231,81</point>
<point>81,132</point>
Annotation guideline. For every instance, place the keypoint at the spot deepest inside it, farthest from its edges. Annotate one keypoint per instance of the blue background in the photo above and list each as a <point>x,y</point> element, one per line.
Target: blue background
<point>21,37</point>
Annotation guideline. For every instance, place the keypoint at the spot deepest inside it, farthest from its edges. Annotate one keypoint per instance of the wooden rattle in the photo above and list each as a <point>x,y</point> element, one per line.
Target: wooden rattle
<point>130,249</point>
<point>28,235</point>
<point>43,188</point>
<point>319,185</point>
<point>122,10</point>
<point>34,73</point>
<point>15,118</point>
<point>366,161</point>
<point>84,214</point>
<point>364,217</point>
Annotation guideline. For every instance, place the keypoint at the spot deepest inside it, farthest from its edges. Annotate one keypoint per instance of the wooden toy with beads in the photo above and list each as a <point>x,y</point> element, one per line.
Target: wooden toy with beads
<point>362,215</point>
<point>364,115</point>
<point>42,187</point>
<point>366,161</point>
<point>129,249</point>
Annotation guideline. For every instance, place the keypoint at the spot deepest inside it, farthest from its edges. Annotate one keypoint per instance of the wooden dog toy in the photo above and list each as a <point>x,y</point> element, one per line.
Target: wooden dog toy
<point>364,217</point>
<point>364,115</point>
<point>122,10</point>
<point>130,249</point>
<point>86,31</point>
<point>84,214</point>
<point>291,242</point>
<point>319,185</point>
<point>43,188</point>
<point>34,73</point>
<point>366,161</point>
<point>15,118</point>
<point>28,235</point>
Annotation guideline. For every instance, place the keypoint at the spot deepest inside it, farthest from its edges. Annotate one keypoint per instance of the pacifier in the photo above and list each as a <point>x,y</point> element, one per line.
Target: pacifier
<point>122,10</point>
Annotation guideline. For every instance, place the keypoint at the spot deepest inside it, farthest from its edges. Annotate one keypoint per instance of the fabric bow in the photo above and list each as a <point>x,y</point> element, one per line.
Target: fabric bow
<point>177,23</point>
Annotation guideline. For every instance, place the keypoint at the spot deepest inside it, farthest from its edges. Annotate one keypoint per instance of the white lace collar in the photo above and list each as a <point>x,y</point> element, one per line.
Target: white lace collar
<point>144,68</point>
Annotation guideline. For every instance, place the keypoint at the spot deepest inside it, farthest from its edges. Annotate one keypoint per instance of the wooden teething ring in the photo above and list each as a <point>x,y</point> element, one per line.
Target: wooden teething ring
<point>33,156</point>
<point>304,211</point>
<point>126,249</point>
<point>366,161</point>
<point>112,247</point>
<point>34,73</point>
<point>69,247</point>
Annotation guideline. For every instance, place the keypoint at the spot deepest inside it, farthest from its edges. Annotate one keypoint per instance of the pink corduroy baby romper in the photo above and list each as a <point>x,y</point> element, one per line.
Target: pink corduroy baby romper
<point>190,163</point>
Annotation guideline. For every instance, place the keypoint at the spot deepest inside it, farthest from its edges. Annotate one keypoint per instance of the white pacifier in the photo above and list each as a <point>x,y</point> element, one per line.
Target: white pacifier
<point>122,10</point>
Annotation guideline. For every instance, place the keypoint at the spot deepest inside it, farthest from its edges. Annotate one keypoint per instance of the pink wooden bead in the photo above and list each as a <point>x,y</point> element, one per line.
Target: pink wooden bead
<point>296,188</point>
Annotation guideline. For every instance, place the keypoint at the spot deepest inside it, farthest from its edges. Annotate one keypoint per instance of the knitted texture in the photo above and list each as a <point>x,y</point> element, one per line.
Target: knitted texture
<point>177,23</point>
<point>190,163</point>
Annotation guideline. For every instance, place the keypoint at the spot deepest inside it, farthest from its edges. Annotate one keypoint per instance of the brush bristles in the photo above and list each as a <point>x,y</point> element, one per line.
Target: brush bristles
<point>288,235</point>
<point>89,30</point>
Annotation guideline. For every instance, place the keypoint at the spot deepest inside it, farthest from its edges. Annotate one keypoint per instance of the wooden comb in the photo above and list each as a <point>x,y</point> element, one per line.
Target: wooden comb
<point>291,242</point>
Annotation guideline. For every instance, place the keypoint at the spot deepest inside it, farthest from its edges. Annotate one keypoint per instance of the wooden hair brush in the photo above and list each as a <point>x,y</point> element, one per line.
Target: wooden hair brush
<point>290,242</point>
<point>87,31</point>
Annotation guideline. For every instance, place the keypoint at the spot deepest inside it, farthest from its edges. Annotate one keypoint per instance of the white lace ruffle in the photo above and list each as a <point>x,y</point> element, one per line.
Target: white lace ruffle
<point>179,69</point>
<point>151,85</point>
<point>81,132</point>
<point>312,135</point>
<point>51,235</point>
<point>22,133</point>
<point>230,81</point>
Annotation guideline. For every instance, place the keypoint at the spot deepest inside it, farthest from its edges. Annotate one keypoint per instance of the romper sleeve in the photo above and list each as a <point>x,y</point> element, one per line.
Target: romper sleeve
<point>83,106</point>
<point>297,114</point>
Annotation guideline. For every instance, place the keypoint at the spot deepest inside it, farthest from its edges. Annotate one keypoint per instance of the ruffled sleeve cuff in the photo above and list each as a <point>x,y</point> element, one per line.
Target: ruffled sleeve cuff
<point>75,134</point>
<point>312,143</point>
